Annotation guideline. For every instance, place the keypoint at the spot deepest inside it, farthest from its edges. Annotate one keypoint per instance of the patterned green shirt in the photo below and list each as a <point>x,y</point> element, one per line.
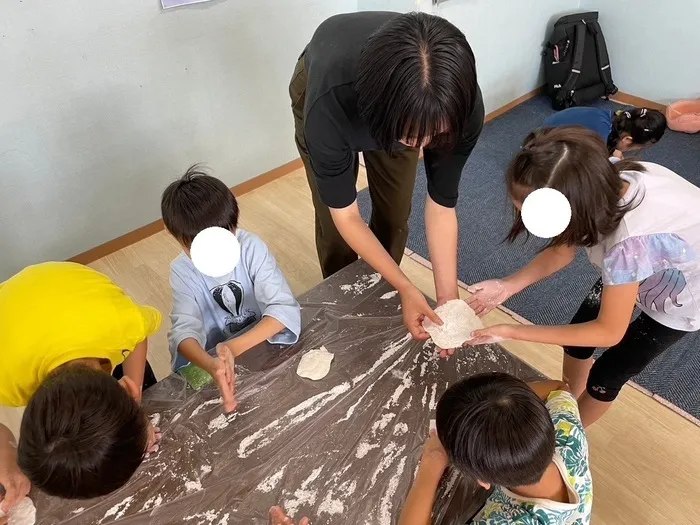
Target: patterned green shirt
<point>571,457</point>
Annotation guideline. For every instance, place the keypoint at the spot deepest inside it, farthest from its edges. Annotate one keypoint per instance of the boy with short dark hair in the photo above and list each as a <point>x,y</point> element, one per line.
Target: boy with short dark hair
<point>73,350</point>
<point>233,313</point>
<point>525,441</point>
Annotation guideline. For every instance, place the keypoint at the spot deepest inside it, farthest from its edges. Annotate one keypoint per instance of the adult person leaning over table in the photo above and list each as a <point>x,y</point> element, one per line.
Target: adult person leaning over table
<point>387,85</point>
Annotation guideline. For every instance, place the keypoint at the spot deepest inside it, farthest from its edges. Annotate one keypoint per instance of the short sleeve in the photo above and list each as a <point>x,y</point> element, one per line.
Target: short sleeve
<point>637,258</point>
<point>563,409</point>
<point>444,168</point>
<point>333,164</point>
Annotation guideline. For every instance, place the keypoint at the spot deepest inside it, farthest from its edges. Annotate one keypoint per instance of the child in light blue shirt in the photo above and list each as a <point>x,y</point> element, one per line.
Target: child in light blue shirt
<point>233,313</point>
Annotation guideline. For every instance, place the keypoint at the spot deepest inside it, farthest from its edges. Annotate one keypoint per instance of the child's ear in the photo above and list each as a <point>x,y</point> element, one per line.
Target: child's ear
<point>127,384</point>
<point>487,486</point>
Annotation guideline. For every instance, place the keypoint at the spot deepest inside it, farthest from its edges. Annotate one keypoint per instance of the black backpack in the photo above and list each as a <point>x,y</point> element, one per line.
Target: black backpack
<point>576,64</point>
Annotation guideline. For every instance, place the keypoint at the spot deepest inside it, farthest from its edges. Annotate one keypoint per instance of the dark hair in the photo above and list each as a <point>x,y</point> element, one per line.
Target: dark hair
<point>495,429</point>
<point>82,435</point>
<point>195,202</point>
<point>573,160</point>
<point>645,126</point>
<point>416,76</point>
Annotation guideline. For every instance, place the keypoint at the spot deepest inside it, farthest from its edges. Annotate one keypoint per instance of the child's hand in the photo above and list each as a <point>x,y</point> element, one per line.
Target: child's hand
<point>223,372</point>
<point>487,295</point>
<point>434,455</point>
<point>154,437</point>
<point>16,485</point>
<point>278,517</point>
<point>492,334</point>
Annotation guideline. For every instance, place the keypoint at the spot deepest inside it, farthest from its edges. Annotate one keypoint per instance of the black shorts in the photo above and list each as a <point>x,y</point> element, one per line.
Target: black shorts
<point>644,340</point>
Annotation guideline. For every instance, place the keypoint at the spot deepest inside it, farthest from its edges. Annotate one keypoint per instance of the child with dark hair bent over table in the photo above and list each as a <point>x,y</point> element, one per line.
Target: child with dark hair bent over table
<point>525,441</point>
<point>73,351</point>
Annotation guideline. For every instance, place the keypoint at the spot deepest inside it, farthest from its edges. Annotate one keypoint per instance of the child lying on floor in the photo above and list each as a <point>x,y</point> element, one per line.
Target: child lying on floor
<point>524,440</point>
<point>232,313</point>
<point>73,351</point>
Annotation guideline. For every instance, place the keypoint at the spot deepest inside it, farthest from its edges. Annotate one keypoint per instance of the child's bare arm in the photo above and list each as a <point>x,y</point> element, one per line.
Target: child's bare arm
<point>15,483</point>
<point>418,508</point>
<point>267,328</point>
<point>544,388</point>
<point>135,365</point>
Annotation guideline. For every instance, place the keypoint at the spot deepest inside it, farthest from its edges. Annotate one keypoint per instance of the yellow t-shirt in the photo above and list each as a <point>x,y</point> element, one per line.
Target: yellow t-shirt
<point>55,312</point>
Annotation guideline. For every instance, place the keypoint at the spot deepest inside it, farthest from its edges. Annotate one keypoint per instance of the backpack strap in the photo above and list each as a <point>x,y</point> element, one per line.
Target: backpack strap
<point>569,85</point>
<point>603,59</point>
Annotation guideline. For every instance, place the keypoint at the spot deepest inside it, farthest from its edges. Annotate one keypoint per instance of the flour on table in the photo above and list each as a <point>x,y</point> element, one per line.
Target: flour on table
<point>208,517</point>
<point>206,469</point>
<point>389,295</point>
<point>24,513</point>
<point>206,404</point>
<point>155,419</point>
<point>363,283</point>
<point>400,429</point>
<point>78,510</point>
<point>304,495</point>
<point>119,509</point>
<point>315,364</point>
<point>459,321</point>
<point>193,486</point>
<point>152,503</point>
<point>268,484</point>
<point>382,422</point>
<point>385,505</point>
<point>177,416</point>
<point>364,448</point>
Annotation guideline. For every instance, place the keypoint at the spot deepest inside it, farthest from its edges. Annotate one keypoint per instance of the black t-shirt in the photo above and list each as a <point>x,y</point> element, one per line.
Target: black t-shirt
<point>332,125</point>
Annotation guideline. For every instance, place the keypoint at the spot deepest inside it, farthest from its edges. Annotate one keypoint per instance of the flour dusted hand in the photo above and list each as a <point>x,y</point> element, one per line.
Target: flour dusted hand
<point>459,321</point>
<point>24,513</point>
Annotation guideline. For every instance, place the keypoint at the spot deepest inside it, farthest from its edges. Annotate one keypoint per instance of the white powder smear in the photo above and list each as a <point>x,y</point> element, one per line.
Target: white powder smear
<point>193,486</point>
<point>451,481</point>
<point>459,321</point>
<point>391,452</point>
<point>364,448</point>
<point>152,503</point>
<point>177,416</point>
<point>406,383</point>
<point>433,404</point>
<point>78,510</point>
<point>385,505</point>
<point>363,283</point>
<point>425,396</point>
<point>208,517</point>
<point>400,429</point>
<point>301,412</point>
<point>331,506</point>
<point>269,484</point>
<point>155,419</point>
<point>206,469</point>
<point>389,351</point>
<point>119,509</point>
<point>23,513</point>
<point>389,295</point>
<point>206,404</point>
<point>303,496</point>
<point>382,422</point>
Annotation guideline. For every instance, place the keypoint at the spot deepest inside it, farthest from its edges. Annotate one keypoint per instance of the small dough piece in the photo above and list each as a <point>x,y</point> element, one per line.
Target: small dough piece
<point>458,323</point>
<point>315,364</point>
<point>24,513</point>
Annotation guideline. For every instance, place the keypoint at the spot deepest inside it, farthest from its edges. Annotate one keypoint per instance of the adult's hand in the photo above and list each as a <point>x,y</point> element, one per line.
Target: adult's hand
<point>415,310</point>
<point>278,517</point>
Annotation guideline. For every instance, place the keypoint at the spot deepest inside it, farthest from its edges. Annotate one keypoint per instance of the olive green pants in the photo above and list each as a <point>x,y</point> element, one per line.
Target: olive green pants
<point>391,179</point>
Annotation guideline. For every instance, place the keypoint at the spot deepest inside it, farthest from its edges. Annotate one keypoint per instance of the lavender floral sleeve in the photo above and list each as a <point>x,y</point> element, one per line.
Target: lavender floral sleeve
<point>637,258</point>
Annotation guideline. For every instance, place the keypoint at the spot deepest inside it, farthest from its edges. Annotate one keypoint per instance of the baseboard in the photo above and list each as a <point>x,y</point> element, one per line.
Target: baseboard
<point>520,100</point>
<point>631,100</point>
<point>144,232</point>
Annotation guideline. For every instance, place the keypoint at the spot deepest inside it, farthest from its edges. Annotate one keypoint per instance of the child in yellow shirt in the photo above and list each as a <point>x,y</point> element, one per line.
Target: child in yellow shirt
<point>73,351</point>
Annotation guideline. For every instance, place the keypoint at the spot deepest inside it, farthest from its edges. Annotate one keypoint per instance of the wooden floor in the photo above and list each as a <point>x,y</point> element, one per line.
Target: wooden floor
<point>645,458</point>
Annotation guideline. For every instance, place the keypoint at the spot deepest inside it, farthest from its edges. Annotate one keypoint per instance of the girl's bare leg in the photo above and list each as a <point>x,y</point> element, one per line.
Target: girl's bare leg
<point>575,373</point>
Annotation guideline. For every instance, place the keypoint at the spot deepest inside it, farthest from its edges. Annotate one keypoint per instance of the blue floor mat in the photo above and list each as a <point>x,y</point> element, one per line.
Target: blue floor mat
<point>485,216</point>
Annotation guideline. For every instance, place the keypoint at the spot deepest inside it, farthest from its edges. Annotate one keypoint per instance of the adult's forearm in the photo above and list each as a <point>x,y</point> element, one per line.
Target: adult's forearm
<point>442,231</point>
<point>361,239</point>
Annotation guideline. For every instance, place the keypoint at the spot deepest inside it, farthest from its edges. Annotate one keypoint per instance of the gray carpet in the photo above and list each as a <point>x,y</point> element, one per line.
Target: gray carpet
<point>485,217</point>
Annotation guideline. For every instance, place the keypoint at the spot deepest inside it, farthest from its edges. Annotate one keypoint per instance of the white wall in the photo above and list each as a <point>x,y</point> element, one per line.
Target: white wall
<point>105,102</point>
<point>507,39</point>
<point>654,46</point>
